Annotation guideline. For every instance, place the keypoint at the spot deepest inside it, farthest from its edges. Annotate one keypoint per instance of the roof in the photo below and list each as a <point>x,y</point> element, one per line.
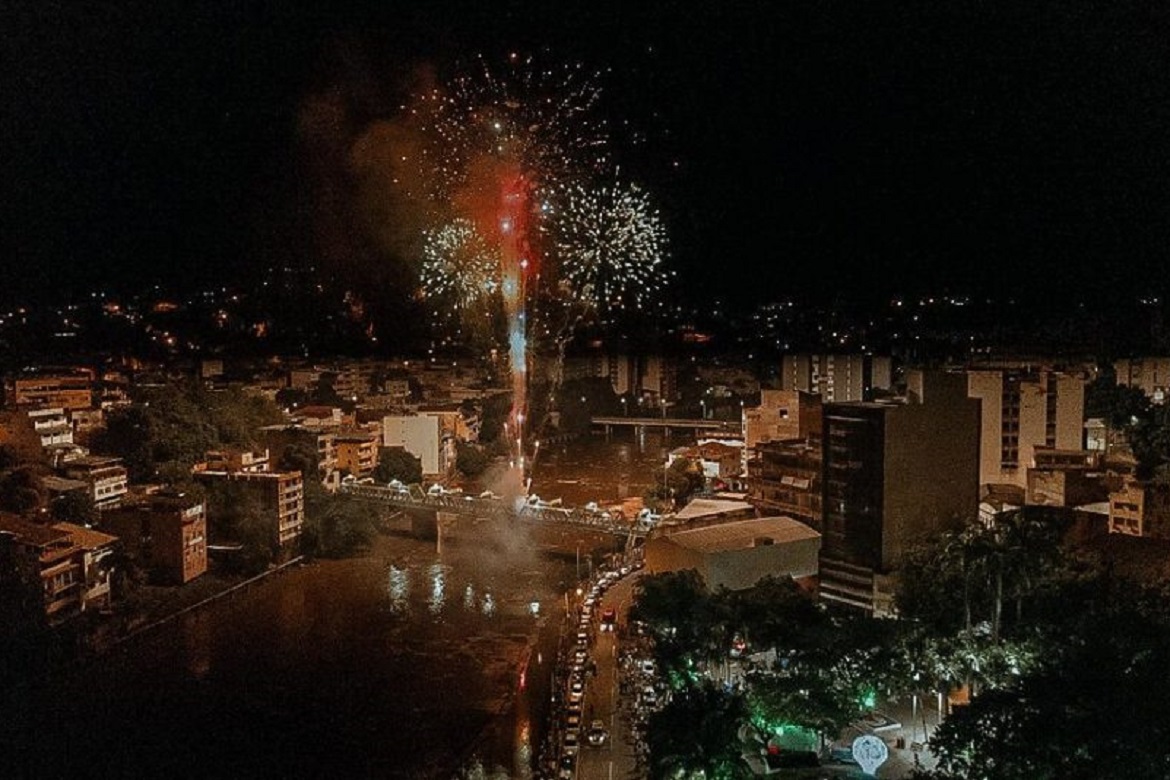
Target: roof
<point>94,461</point>
<point>710,507</point>
<point>743,534</point>
<point>86,537</point>
<point>62,485</point>
<point>27,531</point>
<point>316,411</point>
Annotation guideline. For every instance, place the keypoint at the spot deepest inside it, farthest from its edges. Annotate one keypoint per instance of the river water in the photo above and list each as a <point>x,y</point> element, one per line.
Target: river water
<point>400,664</point>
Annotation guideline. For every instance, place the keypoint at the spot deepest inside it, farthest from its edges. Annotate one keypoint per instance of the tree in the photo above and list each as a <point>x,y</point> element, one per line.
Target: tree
<point>21,490</point>
<point>397,463</point>
<point>470,459</point>
<point>667,602</point>
<point>76,507</point>
<point>697,735</point>
<point>234,515</point>
<point>684,478</point>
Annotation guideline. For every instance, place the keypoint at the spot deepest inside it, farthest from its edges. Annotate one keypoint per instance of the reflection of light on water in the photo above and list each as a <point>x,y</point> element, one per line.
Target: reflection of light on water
<point>489,605</point>
<point>399,588</point>
<point>523,749</point>
<point>438,586</point>
<point>469,597</point>
<point>534,608</point>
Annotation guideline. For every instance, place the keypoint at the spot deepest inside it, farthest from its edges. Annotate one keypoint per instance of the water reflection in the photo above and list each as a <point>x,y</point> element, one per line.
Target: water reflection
<point>399,590</point>
<point>489,605</point>
<point>469,597</point>
<point>438,577</point>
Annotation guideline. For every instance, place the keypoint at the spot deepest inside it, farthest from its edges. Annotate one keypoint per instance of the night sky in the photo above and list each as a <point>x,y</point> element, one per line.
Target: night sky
<point>853,149</point>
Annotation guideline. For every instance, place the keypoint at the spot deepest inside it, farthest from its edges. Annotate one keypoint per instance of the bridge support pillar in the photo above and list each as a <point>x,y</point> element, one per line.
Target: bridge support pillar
<point>444,521</point>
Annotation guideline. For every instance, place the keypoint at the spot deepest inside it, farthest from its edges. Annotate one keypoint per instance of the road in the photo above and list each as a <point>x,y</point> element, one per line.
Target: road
<point>615,759</point>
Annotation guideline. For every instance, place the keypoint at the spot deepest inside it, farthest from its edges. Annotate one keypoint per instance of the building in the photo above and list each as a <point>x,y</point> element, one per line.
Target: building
<point>67,389</point>
<point>1140,509</point>
<point>784,478</point>
<point>895,472</point>
<point>280,496</point>
<point>1021,410</point>
<point>238,460</point>
<point>738,554</point>
<point>1151,375</point>
<point>51,425</point>
<point>782,415</point>
<point>166,533</point>
<point>74,565</point>
<point>106,477</point>
<point>420,435</point>
<point>357,452</point>
<point>836,377</point>
<point>1068,478</point>
<point>320,417</point>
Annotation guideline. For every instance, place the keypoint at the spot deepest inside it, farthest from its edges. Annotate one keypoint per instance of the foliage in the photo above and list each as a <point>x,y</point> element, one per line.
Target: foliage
<point>470,459</point>
<point>684,478</point>
<point>334,525</point>
<point>170,428</point>
<point>236,516</point>
<point>21,489</point>
<point>76,507</point>
<point>696,735</point>
<point>397,463</point>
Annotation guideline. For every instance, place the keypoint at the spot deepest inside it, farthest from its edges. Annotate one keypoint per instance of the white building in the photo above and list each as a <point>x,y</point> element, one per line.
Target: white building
<point>420,435</point>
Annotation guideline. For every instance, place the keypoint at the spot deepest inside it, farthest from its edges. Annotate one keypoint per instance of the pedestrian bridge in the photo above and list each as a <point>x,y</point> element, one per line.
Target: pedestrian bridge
<point>413,497</point>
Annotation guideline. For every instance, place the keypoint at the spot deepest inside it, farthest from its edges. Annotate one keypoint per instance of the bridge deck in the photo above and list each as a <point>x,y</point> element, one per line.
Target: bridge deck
<point>413,497</point>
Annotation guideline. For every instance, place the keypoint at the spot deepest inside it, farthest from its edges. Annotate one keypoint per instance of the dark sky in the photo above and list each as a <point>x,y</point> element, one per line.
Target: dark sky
<point>861,148</point>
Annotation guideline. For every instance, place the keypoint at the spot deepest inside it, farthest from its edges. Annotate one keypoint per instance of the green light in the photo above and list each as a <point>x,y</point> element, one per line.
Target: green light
<point>869,700</point>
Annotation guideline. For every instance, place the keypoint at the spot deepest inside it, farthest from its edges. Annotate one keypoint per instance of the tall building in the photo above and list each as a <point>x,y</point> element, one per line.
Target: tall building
<point>895,472</point>
<point>1150,374</point>
<point>836,377</point>
<point>1022,410</point>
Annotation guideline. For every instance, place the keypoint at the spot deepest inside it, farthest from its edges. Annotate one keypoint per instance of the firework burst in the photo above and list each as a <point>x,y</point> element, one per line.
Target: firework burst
<point>459,265</point>
<point>610,244</point>
<point>539,119</point>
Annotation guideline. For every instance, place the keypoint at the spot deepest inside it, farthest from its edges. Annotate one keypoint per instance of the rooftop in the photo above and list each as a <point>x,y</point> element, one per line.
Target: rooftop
<point>711,507</point>
<point>743,534</point>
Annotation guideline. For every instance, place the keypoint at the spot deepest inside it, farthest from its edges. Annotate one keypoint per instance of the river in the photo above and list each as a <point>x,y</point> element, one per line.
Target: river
<point>400,664</point>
